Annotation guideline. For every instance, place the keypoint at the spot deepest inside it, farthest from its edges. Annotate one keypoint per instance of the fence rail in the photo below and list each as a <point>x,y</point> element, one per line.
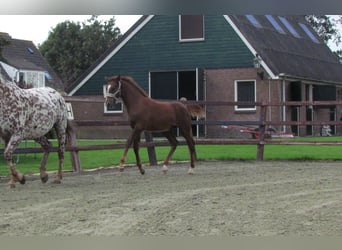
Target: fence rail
<point>262,123</point>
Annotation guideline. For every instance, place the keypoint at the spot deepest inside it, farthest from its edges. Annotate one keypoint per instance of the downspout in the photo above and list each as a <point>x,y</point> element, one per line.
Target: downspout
<point>284,106</point>
<point>149,83</point>
<point>282,76</point>
<point>205,99</point>
<point>197,126</point>
<point>269,100</point>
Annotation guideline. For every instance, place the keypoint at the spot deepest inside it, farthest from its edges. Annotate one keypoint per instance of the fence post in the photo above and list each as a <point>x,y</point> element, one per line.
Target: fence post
<point>74,156</point>
<point>262,131</point>
<point>150,149</point>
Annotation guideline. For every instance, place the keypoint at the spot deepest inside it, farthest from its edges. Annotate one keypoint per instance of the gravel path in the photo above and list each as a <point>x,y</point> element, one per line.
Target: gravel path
<point>221,198</point>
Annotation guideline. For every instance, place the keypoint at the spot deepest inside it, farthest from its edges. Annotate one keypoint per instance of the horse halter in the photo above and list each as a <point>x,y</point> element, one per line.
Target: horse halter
<point>116,95</point>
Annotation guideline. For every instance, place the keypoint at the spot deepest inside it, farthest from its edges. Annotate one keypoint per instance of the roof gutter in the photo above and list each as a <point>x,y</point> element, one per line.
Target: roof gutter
<point>284,76</point>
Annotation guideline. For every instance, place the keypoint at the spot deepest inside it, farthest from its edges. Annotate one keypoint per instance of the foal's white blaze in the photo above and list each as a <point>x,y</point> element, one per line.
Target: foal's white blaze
<point>165,169</point>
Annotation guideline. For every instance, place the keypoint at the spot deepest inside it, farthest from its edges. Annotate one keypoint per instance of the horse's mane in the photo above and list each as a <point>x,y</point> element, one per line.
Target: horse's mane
<point>131,82</point>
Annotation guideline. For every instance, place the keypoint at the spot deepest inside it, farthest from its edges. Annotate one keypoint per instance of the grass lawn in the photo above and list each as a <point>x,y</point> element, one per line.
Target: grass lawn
<point>29,163</point>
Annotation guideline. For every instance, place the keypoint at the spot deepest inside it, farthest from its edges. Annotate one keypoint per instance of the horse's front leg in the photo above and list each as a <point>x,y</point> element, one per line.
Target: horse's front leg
<point>129,142</point>
<point>187,134</point>
<point>44,142</point>
<point>8,153</point>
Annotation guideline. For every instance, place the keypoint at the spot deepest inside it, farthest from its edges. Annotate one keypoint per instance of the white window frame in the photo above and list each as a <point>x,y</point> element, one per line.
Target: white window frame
<point>236,107</point>
<point>32,77</point>
<point>189,39</point>
<point>105,108</point>
<point>69,110</point>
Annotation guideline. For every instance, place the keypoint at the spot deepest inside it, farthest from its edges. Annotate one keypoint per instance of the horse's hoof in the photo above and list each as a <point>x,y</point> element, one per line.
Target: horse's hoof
<point>165,169</point>
<point>121,169</point>
<point>44,178</point>
<point>142,171</point>
<point>190,171</point>
<point>57,182</point>
<point>12,185</point>
<point>23,180</point>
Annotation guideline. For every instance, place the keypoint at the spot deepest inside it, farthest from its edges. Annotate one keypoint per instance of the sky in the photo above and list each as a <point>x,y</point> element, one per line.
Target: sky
<point>36,28</point>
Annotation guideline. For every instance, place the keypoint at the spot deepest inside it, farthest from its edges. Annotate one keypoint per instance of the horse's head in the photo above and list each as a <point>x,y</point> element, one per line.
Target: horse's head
<point>113,89</point>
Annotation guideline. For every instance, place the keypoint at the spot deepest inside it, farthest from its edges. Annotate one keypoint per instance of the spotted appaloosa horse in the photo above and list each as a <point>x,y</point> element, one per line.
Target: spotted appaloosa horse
<point>146,114</point>
<point>31,114</point>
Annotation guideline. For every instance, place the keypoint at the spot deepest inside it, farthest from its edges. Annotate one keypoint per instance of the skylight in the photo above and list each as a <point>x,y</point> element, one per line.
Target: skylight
<point>289,27</point>
<point>253,21</point>
<point>275,24</point>
<point>30,50</point>
<point>308,32</point>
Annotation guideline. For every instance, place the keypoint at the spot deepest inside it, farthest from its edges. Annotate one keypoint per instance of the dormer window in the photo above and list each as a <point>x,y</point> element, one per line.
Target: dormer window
<point>191,28</point>
<point>31,78</point>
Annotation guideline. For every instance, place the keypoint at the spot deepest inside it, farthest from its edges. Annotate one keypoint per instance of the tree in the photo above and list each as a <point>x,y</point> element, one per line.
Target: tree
<point>327,30</point>
<point>72,47</point>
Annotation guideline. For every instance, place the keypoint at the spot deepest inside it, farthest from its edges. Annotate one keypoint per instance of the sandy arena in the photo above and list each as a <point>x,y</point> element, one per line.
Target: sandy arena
<point>221,198</point>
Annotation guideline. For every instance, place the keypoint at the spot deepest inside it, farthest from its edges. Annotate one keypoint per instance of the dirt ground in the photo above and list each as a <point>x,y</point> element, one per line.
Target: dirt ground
<point>221,198</point>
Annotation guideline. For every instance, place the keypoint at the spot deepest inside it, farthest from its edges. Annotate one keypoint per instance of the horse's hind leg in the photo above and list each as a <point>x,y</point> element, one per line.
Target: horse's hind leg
<point>174,143</point>
<point>187,134</point>
<point>11,145</point>
<point>61,136</point>
<point>46,145</point>
<point>136,152</point>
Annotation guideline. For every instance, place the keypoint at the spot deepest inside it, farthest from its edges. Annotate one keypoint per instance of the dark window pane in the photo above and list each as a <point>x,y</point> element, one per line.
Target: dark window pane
<point>164,85</point>
<point>192,27</point>
<point>114,107</point>
<point>245,93</point>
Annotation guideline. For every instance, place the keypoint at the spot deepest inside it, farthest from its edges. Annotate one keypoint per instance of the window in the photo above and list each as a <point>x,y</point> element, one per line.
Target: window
<point>308,32</point>
<point>112,108</point>
<point>191,28</point>
<point>253,21</point>
<point>289,27</point>
<point>30,50</point>
<point>275,24</point>
<point>245,91</point>
<point>35,79</point>
<point>47,75</point>
<point>69,110</point>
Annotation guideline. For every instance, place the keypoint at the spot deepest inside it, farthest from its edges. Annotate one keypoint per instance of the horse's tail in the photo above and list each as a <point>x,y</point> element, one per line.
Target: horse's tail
<point>196,110</point>
<point>70,132</point>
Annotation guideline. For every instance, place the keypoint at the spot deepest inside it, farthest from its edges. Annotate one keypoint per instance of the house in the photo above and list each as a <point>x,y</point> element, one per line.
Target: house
<point>219,58</point>
<point>22,62</point>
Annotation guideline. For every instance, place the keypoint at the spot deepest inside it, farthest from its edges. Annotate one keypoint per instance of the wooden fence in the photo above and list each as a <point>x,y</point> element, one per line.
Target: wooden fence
<point>262,123</point>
